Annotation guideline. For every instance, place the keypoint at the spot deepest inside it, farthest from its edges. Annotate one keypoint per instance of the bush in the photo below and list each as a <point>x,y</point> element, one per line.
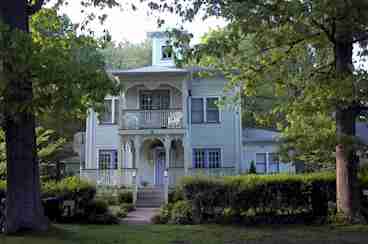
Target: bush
<point>181,213</point>
<point>128,207</point>
<point>176,195</point>
<point>125,197</point>
<point>164,215</point>
<point>96,207</point>
<point>106,219</point>
<point>122,213</point>
<point>260,195</point>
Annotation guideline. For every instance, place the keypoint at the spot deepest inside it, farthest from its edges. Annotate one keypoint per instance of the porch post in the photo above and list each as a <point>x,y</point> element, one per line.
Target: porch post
<point>187,157</point>
<point>137,154</point>
<point>167,144</point>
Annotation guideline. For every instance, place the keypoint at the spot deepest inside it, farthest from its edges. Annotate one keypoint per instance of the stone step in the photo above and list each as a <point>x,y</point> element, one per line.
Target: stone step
<point>149,204</point>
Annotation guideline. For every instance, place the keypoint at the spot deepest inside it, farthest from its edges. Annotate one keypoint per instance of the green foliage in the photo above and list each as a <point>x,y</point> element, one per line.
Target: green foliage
<point>71,188</point>
<point>128,207</point>
<point>48,146</point>
<point>126,55</point>
<point>121,213</point>
<point>176,195</point>
<point>125,197</point>
<point>67,71</point>
<point>164,216</point>
<point>181,213</point>
<point>252,168</point>
<point>286,61</point>
<point>259,195</point>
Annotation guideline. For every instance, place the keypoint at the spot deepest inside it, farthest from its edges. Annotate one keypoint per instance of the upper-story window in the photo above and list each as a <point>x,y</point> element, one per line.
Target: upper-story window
<point>205,110</point>
<point>166,52</point>
<point>155,100</point>
<point>110,114</point>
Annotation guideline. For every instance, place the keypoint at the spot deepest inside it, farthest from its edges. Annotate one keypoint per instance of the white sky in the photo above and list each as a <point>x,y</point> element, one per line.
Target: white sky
<point>134,25</point>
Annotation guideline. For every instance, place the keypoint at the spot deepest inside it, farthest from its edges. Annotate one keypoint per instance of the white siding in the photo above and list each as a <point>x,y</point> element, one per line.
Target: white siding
<point>249,154</point>
<point>222,135</point>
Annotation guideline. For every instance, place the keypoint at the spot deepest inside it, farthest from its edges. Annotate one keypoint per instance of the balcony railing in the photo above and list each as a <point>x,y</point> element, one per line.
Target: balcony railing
<point>228,171</point>
<point>152,119</point>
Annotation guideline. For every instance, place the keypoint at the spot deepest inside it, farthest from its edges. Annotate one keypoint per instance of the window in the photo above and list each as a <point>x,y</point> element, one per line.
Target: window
<point>197,110</point>
<point>261,165</point>
<point>107,159</point>
<point>199,105</point>
<point>156,100</point>
<point>214,158</point>
<point>273,163</point>
<point>212,111</point>
<point>166,52</point>
<point>206,158</point>
<point>110,114</point>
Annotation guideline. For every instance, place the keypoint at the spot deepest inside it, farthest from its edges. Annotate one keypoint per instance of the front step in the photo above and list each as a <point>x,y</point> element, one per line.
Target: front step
<point>150,197</point>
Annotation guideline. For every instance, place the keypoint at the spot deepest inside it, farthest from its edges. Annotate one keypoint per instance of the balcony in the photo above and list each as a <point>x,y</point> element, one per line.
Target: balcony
<point>152,119</point>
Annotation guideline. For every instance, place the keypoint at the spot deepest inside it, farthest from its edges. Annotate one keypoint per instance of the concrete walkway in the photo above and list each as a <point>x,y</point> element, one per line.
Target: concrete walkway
<point>140,216</point>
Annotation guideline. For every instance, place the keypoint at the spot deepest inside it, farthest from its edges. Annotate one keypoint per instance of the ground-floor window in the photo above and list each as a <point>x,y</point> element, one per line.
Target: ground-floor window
<point>267,159</point>
<point>107,159</point>
<point>206,158</point>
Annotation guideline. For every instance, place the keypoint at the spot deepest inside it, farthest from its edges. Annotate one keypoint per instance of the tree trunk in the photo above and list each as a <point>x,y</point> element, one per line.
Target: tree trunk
<point>347,187</point>
<point>24,208</point>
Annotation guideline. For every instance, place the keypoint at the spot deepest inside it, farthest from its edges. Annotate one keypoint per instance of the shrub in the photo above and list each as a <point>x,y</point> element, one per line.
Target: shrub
<point>122,213</point>
<point>181,213</point>
<point>128,207</point>
<point>176,195</point>
<point>164,215</point>
<point>96,207</point>
<point>260,195</point>
<point>106,219</point>
<point>125,197</point>
<point>252,168</point>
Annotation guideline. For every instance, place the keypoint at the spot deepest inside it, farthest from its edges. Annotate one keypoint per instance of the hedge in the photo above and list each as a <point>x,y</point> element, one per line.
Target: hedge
<point>262,195</point>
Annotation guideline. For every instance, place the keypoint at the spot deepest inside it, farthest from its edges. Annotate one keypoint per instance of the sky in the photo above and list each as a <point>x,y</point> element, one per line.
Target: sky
<point>133,26</point>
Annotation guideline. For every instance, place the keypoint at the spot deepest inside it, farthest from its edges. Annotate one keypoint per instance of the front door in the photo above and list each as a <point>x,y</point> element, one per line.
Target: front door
<point>159,167</point>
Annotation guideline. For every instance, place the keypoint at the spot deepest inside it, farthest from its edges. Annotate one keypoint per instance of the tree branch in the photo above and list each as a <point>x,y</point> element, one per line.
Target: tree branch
<point>361,37</point>
<point>34,8</point>
<point>330,34</point>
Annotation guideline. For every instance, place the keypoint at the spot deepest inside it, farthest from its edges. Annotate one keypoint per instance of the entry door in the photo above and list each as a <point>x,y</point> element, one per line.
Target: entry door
<point>159,167</point>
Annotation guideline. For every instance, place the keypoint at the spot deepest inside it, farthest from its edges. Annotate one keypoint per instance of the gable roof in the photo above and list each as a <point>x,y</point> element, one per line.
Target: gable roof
<point>260,135</point>
<point>149,70</point>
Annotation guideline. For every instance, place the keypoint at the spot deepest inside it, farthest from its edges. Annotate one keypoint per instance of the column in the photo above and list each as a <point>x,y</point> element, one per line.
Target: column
<point>167,144</point>
<point>187,157</point>
<point>137,152</point>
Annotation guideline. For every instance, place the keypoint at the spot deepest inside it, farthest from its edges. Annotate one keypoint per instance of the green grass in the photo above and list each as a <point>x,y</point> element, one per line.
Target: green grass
<point>206,234</point>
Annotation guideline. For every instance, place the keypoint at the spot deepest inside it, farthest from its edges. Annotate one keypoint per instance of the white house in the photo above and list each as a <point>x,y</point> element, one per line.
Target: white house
<point>164,125</point>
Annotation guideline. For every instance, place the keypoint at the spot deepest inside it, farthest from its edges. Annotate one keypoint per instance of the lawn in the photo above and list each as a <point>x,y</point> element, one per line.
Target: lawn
<point>206,234</point>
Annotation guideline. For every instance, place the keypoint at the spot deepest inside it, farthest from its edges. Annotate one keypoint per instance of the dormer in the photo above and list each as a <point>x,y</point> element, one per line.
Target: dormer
<point>162,52</point>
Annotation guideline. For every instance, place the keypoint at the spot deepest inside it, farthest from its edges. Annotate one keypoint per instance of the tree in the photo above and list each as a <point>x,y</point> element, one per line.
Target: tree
<point>40,73</point>
<point>290,34</point>
<point>126,55</point>
<point>48,146</point>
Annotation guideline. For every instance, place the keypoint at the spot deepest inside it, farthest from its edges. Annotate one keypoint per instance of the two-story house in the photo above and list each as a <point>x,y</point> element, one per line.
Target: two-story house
<point>164,125</point>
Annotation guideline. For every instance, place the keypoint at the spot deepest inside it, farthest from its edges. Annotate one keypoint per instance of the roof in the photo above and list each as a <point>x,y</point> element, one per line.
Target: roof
<point>251,135</point>
<point>149,70</point>
<point>361,131</point>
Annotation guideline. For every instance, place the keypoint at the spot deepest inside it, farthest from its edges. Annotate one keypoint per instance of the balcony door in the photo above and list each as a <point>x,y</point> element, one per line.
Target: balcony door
<point>154,100</point>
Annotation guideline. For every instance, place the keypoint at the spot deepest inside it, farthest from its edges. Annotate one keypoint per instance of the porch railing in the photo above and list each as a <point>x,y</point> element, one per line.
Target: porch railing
<point>111,177</point>
<point>227,171</point>
<point>151,119</point>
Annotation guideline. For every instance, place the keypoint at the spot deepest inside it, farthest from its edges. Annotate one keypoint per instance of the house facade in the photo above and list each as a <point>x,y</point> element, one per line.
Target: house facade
<point>164,125</point>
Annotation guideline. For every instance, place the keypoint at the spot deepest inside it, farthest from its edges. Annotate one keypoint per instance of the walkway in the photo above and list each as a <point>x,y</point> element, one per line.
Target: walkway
<point>140,216</point>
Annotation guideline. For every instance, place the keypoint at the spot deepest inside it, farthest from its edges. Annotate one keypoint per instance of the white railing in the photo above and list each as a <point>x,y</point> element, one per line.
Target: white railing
<point>110,177</point>
<point>175,176</point>
<point>152,119</point>
<point>228,171</point>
